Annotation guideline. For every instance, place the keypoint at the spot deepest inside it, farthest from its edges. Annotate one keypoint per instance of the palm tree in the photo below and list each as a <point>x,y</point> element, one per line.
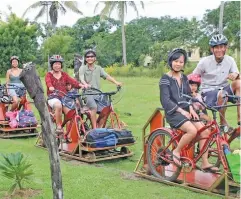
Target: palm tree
<point>55,7</point>
<point>121,7</point>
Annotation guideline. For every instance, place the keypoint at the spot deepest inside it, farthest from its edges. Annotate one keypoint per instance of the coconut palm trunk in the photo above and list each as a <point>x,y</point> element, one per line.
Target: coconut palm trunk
<point>123,36</point>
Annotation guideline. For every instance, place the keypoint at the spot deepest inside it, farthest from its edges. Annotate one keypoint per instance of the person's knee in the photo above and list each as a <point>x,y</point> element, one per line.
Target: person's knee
<point>192,131</point>
<point>58,106</point>
<point>236,85</point>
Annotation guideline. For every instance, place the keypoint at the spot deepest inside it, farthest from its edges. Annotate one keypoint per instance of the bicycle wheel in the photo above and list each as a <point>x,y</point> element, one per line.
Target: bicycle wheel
<point>160,168</point>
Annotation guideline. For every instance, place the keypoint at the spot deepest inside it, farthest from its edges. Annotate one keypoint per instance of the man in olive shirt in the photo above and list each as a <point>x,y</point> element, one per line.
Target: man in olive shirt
<point>90,75</point>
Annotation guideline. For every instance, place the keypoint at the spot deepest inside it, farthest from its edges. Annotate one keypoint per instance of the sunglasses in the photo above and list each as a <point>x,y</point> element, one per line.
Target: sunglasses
<point>89,56</point>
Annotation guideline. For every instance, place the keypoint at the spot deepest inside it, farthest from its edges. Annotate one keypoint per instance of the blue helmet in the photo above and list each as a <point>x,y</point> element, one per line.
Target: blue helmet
<point>218,39</point>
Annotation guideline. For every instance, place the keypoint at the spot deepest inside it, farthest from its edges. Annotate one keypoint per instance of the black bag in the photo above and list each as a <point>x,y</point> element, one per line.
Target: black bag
<point>124,137</point>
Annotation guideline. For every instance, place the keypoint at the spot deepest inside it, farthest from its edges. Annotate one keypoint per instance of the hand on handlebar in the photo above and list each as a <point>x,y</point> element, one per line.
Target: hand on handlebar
<point>51,88</point>
<point>232,76</point>
<point>118,84</point>
<point>186,114</point>
<point>194,114</point>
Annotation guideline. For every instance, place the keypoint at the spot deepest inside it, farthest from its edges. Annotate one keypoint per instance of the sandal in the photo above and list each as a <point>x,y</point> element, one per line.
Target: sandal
<point>176,160</point>
<point>59,131</point>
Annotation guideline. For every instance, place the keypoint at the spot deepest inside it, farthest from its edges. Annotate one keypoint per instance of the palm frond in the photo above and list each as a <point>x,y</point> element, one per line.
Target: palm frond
<point>35,5</point>
<point>133,5</point>
<point>73,6</point>
<point>96,7</point>
<point>62,9</point>
<point>41,12</point>
<point>53,14</point>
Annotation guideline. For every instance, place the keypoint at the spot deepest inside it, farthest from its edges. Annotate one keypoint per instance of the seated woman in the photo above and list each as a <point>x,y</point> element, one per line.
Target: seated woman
<point>56,79</point>
<point>178,113</point>
<point>194,83</point>
<point>12,77</point>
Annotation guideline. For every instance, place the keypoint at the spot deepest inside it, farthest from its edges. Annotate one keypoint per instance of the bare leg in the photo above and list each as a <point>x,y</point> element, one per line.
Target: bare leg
<point>222,110</point>
<point>102,121</point>
<point>93,117</point>
<point>191,132</point>
<point>204,134</point>
<point>236,89</point>
<point>15,103</point>
<point>58,114</point>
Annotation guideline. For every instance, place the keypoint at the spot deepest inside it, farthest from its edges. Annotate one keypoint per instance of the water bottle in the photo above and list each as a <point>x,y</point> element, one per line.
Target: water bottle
<point>226,150</point>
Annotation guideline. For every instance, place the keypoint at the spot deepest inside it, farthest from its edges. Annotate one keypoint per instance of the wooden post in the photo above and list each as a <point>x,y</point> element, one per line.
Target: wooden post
<point>34,87</point>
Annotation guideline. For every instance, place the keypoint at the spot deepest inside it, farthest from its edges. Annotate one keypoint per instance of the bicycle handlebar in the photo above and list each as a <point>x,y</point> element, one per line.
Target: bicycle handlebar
<point>213,108</point>
<point>100,92</point>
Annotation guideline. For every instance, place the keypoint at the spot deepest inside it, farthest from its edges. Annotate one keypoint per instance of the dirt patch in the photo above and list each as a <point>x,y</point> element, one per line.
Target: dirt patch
<point>129,176</point>
<point>24,193</point>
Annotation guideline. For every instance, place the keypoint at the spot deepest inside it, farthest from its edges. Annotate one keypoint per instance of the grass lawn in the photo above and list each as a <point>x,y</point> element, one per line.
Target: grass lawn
<point>111,179</point>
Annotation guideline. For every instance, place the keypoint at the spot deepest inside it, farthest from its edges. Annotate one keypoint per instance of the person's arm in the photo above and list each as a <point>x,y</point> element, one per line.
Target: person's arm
<point>233,73</point>
<point>73,82</point>
<point>104,75</point>
<point>7,80</point>
<point>199,70</point>
<point>82,77</point>
<point>112,79</point>
<point>169,106</point>
<point>48,80</point>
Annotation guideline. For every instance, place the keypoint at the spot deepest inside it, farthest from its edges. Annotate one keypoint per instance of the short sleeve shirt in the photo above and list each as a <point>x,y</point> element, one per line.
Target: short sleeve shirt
<point>92,77</point>
<point>214,75</point>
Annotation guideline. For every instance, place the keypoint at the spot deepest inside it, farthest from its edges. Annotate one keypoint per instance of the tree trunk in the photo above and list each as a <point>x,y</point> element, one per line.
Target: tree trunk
<point>221,18</point>
<point>123,36</point>
<point>34,87</point>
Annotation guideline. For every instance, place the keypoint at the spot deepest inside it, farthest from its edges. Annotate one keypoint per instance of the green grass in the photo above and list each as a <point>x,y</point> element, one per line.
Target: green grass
<point>111,179</point>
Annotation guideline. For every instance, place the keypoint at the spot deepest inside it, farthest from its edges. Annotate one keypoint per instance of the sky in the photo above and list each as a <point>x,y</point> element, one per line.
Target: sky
<point>158,8</point>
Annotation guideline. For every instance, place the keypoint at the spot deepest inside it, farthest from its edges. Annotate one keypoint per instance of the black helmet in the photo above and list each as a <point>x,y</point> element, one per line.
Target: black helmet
<point>55,58</point>
<point>173,52</point>
<point>90,51</point>
<point>14,57</point>
<point>218,39</point>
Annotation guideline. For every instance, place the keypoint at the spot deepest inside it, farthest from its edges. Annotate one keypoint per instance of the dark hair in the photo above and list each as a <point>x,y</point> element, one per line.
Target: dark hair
<point>176,56</point>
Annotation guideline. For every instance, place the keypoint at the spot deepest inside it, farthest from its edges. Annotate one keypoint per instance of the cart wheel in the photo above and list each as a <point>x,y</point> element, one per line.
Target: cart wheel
<point>124,150</point>
<point>90,156</point>
<point>157,142</point>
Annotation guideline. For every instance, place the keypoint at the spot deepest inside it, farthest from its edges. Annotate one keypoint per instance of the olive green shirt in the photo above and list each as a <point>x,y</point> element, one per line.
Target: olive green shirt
<point>92,77</point>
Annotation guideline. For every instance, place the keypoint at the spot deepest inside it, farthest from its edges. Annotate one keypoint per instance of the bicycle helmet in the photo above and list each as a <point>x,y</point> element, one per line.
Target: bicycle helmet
<point>218,39</point>
<point>14,57</point>
<point>56,58</point>
<point>90,51</point>
<point>194,79</point>
<point>172,53</point>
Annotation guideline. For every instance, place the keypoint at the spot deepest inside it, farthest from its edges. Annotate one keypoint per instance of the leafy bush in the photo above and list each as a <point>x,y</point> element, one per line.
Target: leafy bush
<point>15,167</point>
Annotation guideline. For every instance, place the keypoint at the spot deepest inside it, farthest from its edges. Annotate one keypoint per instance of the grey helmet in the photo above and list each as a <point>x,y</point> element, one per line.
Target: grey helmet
<point>218,39</point>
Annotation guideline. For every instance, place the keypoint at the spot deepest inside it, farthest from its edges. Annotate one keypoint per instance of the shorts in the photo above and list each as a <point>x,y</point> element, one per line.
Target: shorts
<point>97,102</point>
<point>19,92</point>
<point>67,102</point>
<point>211,97</point>
<point>177,119</point>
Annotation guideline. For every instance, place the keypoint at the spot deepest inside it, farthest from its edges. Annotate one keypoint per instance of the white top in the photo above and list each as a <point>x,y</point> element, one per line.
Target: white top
<point>214,75</point>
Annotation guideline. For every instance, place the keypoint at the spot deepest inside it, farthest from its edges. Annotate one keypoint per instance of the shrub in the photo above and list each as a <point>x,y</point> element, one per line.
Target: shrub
<point>15,167</point>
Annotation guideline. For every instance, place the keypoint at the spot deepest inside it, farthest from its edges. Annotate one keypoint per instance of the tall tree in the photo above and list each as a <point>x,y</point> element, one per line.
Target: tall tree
<point>17,37</point>
<point>55,8</point>
<point>121,7</point>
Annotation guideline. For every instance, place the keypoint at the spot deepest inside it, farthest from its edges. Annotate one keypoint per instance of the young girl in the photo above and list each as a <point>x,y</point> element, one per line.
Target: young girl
<point>178,113</point>
<point>194,83</point>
